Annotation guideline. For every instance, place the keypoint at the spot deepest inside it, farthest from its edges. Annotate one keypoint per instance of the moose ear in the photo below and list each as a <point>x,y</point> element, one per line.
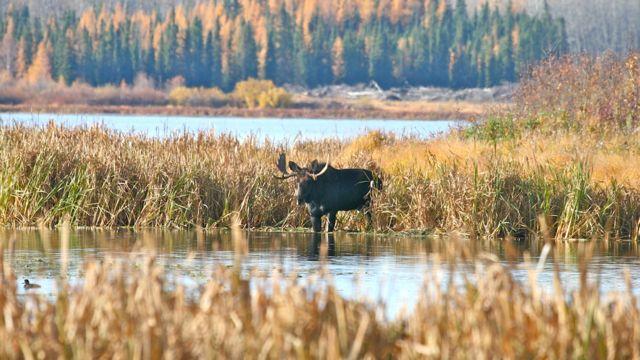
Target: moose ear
<point>294,167</point>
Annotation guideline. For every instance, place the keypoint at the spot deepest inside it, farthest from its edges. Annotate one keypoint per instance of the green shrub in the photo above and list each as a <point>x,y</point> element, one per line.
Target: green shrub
<point>494,129</point>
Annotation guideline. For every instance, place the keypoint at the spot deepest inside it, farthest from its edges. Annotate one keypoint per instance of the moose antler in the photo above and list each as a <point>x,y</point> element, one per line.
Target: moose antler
<point>315,176</point>
<point>282,166</point>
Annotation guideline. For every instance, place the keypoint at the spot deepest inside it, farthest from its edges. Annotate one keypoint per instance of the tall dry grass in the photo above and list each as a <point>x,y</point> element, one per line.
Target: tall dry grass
<point>129,309</point>
<point>97,177</point>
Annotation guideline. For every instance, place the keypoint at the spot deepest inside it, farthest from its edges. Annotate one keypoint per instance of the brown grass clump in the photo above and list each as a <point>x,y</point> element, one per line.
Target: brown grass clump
<point>128,309</point>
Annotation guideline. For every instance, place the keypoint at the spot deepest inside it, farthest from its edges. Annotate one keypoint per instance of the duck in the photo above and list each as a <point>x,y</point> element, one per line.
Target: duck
<point>28,285</point>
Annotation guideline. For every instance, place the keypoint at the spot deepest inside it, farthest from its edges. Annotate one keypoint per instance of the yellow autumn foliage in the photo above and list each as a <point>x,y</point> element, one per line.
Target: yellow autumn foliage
<point>261,94</point>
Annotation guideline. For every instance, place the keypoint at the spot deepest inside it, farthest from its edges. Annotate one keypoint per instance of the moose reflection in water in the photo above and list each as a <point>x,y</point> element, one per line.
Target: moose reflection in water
<point>321,249</point>
<point>326,190</point>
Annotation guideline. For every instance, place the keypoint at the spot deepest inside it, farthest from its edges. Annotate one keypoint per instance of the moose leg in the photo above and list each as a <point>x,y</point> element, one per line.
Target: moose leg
<point>316,223</point>
<point>331,224</point>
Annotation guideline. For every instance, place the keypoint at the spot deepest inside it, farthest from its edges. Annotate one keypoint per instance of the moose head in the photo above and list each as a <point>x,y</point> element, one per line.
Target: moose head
<point>307,177</point>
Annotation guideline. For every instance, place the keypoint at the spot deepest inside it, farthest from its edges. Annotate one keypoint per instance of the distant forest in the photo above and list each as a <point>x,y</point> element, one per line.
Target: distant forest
<point>593,26</point>
<point>218,43</point>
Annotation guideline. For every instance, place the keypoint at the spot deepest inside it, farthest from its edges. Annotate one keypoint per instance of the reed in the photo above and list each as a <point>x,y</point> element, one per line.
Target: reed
<point>127,308</point>
<point>97,177</point>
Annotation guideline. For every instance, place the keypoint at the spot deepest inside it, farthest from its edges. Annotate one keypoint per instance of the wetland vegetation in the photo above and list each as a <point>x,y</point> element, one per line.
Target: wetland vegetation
<point>562,159</point>
<point>132,306</point>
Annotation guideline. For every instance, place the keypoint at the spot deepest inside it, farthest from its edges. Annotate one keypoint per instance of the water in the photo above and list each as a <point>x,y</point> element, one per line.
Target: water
<point>277,130</point>
<point>388,269</point>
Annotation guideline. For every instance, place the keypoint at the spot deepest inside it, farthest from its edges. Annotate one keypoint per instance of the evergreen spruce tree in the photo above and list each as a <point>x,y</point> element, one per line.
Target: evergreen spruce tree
<point>300,60</point>
<point>160,65</point>
<point>86,60</point>
<point>355,61</point>
<point>418,53</point>
<point>244,60</point>
<point>149,60</point>
<point>27,37</point>
<point>213,60</point>
<point>461,23</point>
<point>169,51</point>
<point>285,32</point>
<point>319,56</point>
<point>194,55</point>
<point>271,58</point>
<point>104,57</point>
<point>65,60</point>
<point>137,56</point>
<point>125,58</point>
<point>380,69</point>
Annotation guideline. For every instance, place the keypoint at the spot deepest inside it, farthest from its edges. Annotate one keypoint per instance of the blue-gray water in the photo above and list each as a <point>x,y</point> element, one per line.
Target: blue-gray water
<point>274,129</point>
<point>390,269</point>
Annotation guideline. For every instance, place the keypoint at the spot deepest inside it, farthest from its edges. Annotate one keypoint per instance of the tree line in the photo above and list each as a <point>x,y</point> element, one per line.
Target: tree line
<point>593,26</point>
<point>306,42</point>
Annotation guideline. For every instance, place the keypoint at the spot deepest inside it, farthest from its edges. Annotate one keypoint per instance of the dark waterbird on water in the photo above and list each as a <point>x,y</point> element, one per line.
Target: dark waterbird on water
<point>28,285</point>
<point>326,190</point>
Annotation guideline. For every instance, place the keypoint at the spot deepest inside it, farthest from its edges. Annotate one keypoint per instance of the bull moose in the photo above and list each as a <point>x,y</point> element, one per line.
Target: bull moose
<point>326,190</point>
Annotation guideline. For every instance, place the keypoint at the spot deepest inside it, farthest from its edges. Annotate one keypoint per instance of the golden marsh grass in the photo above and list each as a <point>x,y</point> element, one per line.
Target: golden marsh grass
<point>128,308</point>
<point>97,177</point>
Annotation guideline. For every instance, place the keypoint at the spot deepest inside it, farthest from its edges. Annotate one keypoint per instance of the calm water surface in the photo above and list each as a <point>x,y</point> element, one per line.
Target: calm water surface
<point>277,130</point>
<point>380,268</point>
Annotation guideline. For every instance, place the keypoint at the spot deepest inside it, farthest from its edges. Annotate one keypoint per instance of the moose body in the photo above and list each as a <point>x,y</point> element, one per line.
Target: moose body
<point>326,190</point>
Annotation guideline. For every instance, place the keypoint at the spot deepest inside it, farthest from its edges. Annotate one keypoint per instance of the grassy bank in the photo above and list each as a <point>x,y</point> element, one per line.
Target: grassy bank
<point>570,159</point>
<point>320,109</point>
<point>129,309</point>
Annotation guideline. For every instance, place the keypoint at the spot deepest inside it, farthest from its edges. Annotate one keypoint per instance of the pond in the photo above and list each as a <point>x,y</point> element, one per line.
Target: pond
<point>389,269</point>
<point>277,130</point>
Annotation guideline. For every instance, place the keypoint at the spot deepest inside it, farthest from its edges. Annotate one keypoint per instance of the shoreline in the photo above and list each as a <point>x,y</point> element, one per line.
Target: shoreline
<point>432,111</point>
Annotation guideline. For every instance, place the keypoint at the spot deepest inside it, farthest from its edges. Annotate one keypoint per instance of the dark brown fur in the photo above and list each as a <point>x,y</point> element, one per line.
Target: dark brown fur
<point>332,191</point>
